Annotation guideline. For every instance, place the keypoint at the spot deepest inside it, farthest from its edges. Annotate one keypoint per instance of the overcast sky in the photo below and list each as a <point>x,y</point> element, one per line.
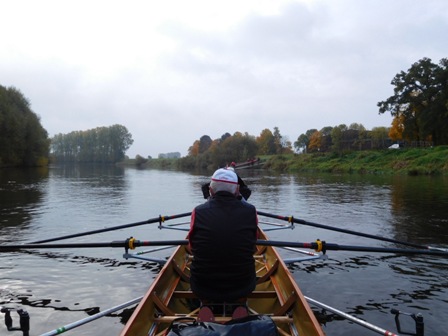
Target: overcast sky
<point>173,71</point>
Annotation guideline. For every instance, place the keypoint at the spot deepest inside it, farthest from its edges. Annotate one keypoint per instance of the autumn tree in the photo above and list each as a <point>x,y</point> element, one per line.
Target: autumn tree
<point>315,142</point>
<point>419,102</point>
<point>266,142</point>
<point>194,149</point>
<point>304,139</point>
<point>396,131</point>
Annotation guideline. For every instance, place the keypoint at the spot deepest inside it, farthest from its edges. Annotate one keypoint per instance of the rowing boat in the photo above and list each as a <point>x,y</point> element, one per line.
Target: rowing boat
<point>276,295</point>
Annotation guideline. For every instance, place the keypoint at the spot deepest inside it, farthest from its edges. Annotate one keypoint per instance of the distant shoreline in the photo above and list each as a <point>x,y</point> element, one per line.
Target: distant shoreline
<point>403,161</point>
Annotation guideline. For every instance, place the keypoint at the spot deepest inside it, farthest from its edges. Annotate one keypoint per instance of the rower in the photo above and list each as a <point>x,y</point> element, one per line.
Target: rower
<point>244,191</point>
<point>222,239</point>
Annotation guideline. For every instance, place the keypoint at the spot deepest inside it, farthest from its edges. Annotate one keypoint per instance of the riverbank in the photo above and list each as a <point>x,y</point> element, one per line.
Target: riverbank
<point>412,161</point>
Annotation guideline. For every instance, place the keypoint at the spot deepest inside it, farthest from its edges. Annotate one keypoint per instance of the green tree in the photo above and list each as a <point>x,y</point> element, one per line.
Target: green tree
<point>278,141</point>
<point>337,133</point>
<point>204,143</point>
<point>420,101</point>
<point>237,148</point>
<point>326,141</point>
<point>23,140</point>
<point>359,142</point>
<point>102,145</point>
<point>380,137</point>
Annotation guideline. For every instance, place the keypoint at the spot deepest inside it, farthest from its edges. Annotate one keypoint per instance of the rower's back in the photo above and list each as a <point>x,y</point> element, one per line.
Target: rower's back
<point>222,239</point>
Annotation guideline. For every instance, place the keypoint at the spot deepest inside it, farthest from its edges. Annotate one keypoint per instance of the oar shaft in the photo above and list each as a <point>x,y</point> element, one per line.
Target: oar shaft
<point>365,324</point>
<point>323,246</point>
<point>327,227</point>
<point>119,243</point>
<point>318,246</point>
<point>59,246</point>
<point>73,325</point>
<point>159,219</point>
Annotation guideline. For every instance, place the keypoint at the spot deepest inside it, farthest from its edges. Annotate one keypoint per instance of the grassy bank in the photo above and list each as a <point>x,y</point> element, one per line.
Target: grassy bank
<point>413,161</point>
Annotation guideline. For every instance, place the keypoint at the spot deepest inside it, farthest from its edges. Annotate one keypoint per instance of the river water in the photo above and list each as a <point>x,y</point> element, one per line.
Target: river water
<point>60,286</point>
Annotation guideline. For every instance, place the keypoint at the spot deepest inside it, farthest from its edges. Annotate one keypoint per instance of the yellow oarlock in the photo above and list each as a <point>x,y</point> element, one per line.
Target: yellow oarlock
<point>131,243</point>
<point>319,245</point>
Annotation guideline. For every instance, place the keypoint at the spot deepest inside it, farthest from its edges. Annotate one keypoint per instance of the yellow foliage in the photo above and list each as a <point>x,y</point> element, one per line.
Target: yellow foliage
<point>396,131</point>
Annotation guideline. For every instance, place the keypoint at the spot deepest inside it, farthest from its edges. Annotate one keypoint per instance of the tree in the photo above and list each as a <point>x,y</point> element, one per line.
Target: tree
<point>278,141</point>
<point>102,144</point>
<point>225,136</point>
<point>396,131</point>
<point>380,137</point>
<point>120,140</point>
<point>362,134</point>
<point>266,142</point>
<point>204,143</point>
<point>304,139</point>
<point>194,149</point>
<point>326,140</point>
<point>420,101</point>
<point>337,134</point>
<point>23,140</point>
<point>315,142</point>
<point>238,147</point>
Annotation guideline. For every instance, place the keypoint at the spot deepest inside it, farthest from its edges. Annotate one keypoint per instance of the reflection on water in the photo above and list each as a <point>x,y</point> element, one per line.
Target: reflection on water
<point>61,286</point>
<point>419,206</point>
<point>21,193</point>
<point>100,184</point>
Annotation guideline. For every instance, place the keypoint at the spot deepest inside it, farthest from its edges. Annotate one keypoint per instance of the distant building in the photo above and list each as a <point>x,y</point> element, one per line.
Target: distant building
<point>173,155</point>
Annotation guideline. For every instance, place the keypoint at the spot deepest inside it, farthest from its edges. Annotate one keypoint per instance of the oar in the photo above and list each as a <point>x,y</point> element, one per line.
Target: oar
<point>73,325</point>
<point>319,246</point>
<point>159,219</point>
<point>351,318</point>
<point>327,227</point>
<point>323,246</point>
<point>127,244</point>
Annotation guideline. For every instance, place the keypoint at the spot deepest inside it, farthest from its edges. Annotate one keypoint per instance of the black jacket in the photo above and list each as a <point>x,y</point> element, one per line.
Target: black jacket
<point>222,238</point>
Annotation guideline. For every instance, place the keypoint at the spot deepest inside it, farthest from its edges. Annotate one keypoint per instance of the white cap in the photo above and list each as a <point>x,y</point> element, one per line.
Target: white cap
<point>225,175</point>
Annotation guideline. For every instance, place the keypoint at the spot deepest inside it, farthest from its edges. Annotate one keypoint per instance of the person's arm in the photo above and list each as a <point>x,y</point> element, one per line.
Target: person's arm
<point>256,218</point>
<point>190,233</point>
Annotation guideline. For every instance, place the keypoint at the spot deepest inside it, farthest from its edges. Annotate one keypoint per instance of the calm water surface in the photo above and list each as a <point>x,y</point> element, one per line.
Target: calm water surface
<point>58,287</point>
